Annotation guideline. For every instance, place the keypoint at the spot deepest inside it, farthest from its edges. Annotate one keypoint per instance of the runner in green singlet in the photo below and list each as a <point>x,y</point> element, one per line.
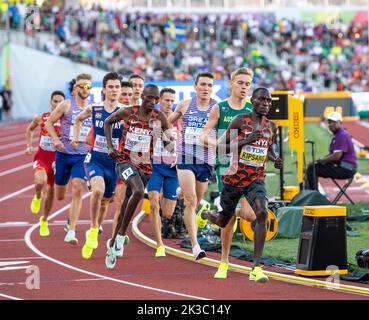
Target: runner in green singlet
<point>220,117</point>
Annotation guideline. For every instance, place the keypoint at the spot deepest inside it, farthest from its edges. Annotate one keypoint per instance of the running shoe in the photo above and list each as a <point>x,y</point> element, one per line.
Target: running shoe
<point>119,243</point>
<point>36,204</point>
<point>71,237</point>
<point>160,252</point>
<point>257,275</point>
<point>198,253</point>
<point>91,243</point>
<point>222,271</point>
<point>44,229</point>
<point>111,258</point>
<point>101,230</point>
<point>201,223</point>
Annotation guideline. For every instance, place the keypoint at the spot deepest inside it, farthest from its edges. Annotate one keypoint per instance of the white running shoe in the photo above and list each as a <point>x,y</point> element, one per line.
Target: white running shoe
<point>71,237</point>
<point>120,241</point>
<point>111,258</point>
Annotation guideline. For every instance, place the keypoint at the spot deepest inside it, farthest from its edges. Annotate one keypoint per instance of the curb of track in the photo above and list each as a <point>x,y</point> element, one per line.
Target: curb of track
<point>246,270</point>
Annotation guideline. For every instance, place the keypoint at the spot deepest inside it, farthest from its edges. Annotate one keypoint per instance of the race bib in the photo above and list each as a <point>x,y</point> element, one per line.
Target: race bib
<point>253,156</point>
<point>47,143</point>
<point>101,145</point>
<point>192,135</point>
<point>137,142</point>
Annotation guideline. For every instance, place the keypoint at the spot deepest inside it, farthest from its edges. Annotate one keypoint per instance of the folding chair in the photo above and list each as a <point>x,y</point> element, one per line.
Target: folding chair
<point>342,190</point>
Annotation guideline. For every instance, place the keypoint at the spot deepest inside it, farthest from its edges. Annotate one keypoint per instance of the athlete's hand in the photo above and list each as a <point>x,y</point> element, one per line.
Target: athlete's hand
<point>29,150</point>
<point>59,145</point>
<point>112,153</point>
<point>74,144</point>
<point>278,163</point>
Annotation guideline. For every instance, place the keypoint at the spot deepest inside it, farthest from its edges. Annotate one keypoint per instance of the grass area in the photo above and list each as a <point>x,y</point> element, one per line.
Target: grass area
<point>286,249</point>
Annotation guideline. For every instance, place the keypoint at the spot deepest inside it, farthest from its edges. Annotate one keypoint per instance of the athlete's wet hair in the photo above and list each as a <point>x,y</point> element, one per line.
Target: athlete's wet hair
<point>135,75</point>
<point>71,85</point>
<point>111,76</point>
<point>57,93</point>
<point>164,90</point>
<point>204,74</point>
<point>246,71</point>
<point>126,84</point>
<point>257,90</point>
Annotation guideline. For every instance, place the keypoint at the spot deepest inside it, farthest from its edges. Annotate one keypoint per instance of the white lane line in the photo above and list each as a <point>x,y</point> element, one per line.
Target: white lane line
<point>12,155</point>
<point>12,137</point>
<point>14,268</point>
<point>10,240</point>
<point>9,297</point>
<point>17,193</point>
<point>24,166</point>
<point>20,258</point>
<point>12,263</point>
<point>16,144</point>
<point>29,243</point>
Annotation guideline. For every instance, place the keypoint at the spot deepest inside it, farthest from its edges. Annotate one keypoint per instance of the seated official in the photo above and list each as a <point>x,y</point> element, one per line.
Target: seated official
<point>340,163</point>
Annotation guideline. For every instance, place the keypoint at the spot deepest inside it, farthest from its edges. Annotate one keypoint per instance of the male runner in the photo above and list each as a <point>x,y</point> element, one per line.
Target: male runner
<point>100,169</point>
<point>69,161</point>
<point>133,89</point>
<point>194,163</point>
<point>141,125</point>
<point>250,139</point>
<point>220,117</point>
<point>164,176</point>
<point>43,161</point>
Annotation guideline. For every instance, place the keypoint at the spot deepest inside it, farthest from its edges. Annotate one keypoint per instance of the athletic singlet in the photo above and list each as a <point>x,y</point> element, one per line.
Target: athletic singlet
<point>99,147</point>
<point>66,130</point>
<point>250,164</point>
<point>136,145</point>
<point>194,122</point>
<point>46,142</point>
<point>226,116</point>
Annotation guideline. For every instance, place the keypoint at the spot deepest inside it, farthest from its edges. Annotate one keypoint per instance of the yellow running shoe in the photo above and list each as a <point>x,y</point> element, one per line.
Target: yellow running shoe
<point>91,243</point>
<point>44,229</point>
<point>222,271</point>
<point>257,275</point>
<point>160,252</point>
<point>36,204</point>
<point>91,237</point>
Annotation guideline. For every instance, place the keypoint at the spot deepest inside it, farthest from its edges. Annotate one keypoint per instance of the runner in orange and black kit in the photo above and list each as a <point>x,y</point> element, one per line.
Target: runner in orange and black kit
<point>43,162</point>
<point>251,140</point>
<point>142,124</point>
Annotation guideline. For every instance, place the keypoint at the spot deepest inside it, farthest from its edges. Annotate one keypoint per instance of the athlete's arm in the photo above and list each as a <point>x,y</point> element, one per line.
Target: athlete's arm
<point>224,142</point>
<point>272,150</point>
<point>119,115</point>
<point>59,111</point>
<point>78,125</point>
<point>36,121</point>
<point>167,133</point>
<point>205,137</point>
<point>180,110</point>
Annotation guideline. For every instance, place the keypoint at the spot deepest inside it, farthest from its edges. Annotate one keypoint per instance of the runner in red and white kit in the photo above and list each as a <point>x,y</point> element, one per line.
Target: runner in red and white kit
<point>43,162</point>
<point>142,125</point>
<point>250,140</point>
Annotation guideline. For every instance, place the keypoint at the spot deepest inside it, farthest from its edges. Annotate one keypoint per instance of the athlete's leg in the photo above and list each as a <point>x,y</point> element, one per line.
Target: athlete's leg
<point>245,212</point>
<point>40,179</point>
<point>120,193</point>
<point>49,201</point>
<point>76,203</point>
<point>97,192</point>
<point>260,207</point>
<point>103,210</point>
<point>187,182</point>
<point>155,216</point>
<point>60,191</point>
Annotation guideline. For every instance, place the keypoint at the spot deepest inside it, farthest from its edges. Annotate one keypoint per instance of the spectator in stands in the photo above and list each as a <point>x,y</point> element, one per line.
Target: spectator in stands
<point>340,163</point>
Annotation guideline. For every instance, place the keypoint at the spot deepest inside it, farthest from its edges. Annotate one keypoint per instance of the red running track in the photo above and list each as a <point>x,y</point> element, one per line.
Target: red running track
<point>138,275</point>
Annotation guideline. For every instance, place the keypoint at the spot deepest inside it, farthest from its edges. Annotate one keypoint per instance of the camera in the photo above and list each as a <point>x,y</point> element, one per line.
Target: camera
<point>362,258</point>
